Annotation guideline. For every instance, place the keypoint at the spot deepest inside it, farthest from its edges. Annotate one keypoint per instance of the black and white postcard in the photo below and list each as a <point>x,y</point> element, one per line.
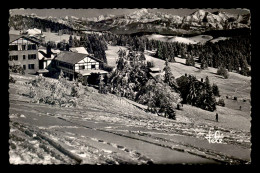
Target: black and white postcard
<point>119,86</point>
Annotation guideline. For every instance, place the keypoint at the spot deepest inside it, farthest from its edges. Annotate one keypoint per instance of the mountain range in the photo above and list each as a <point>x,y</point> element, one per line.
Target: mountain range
<point>145,21</point>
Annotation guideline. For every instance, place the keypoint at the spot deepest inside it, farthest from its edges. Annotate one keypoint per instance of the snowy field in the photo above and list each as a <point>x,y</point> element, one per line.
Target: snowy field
<point>111,54</point>
<point>199,39</point>
<point>236,85</point>
<point>106,129</point>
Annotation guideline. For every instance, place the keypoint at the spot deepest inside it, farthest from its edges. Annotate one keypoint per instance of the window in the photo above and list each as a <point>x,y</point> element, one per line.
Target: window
<point>81,67</point>
<point>24,67</point>
<point>24,57</point>
<point>30,66</point>
<point>31,47</point>
<point>23,47</point>
<point>93,66</point>
<point>32,56</point>
<point>13,57</point>
<point>13,47</point>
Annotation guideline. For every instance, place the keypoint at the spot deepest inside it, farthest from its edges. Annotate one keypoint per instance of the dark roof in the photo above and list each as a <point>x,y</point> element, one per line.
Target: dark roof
<point>73,57</point>
<point>70,57</point>
<point>13,37</point>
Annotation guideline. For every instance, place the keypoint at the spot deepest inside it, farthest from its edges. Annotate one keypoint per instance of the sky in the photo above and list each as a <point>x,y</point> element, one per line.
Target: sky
<point>97,12</point>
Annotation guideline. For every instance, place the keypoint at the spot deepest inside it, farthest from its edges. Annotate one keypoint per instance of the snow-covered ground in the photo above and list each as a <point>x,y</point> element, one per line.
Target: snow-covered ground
<point>170,39</point>
<point>218,39</point>
<point>186,40</point>
<point>106,129</point>
<point>111,54</point>
<point>201,38</point>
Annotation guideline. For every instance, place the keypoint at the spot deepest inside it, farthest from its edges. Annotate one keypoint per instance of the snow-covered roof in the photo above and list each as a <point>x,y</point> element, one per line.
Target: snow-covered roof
<point>79,50</point>
<point>155,69</point>
<point>33,31</point>
<point>37,30</point>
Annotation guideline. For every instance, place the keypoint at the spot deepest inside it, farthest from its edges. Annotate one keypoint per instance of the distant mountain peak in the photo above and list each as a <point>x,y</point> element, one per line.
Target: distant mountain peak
<point>141,11</point>
<point>137,14</point>
<point>200,12</point>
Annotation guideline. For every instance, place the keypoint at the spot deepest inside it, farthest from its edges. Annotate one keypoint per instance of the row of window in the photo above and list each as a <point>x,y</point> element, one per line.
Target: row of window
<point>30,66</point>
<point>15,57</point>
<point>22,47</point>
<point>82,67</point>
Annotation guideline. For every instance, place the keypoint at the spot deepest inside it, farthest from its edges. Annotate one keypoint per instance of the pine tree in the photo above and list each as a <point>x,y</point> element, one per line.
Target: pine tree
<point>71,41</point>
<point>215,90</point>
<point>203,64</point>
<point>183,83</point>
<point>208,99</point>
<point>190,61</point>
<point>244,68</point>
<point>75,42</point>
<point>167,72</point>
<point>159,53</point>
<point>165,52</point>
<point>142,57</point>
<point>192,95</point>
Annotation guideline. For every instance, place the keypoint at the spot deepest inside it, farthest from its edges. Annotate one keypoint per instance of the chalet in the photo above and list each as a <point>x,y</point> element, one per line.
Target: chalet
<point>23,51</point>
<point>153,72</point>
<point>72,64</point>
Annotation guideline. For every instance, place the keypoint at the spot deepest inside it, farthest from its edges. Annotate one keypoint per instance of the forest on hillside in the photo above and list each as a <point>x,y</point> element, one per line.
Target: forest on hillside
<point>234,54</point>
